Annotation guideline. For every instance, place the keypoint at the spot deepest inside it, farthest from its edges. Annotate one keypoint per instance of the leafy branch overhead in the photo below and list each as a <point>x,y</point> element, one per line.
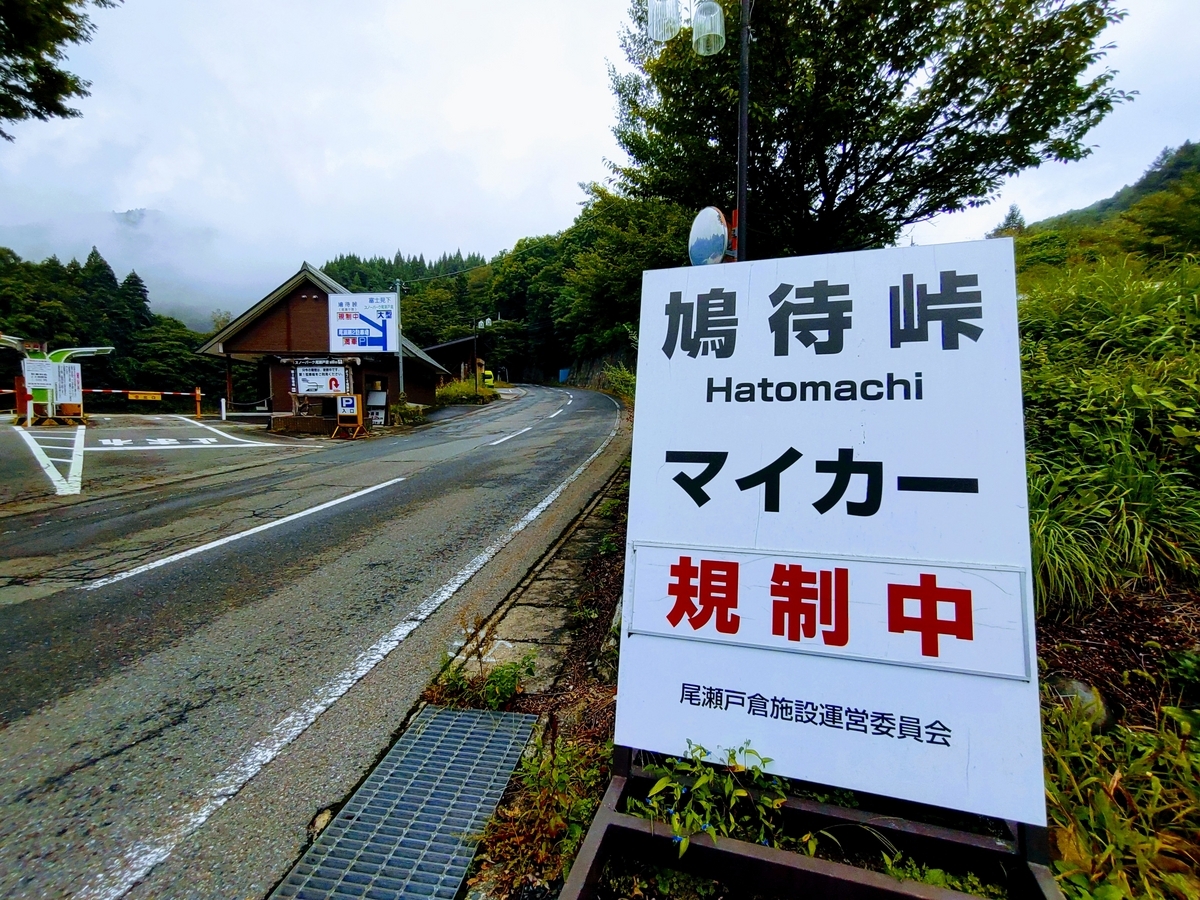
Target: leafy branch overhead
<point>34,35</point>
<point>866,115</point>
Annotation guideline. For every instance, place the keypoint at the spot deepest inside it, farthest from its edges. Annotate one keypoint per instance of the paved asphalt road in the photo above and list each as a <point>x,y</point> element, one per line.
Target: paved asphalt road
<point>171,733</point>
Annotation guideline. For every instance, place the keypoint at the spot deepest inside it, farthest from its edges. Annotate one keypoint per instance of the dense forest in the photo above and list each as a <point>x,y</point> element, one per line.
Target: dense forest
<point>554,300</point>
<point>85,305</point>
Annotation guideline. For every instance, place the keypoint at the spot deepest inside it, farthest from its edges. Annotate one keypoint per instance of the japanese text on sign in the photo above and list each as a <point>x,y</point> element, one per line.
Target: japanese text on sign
<point>828,501</point>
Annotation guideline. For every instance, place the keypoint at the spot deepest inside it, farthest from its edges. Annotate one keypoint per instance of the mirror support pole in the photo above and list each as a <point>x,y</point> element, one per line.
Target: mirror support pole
<point>743,134</point>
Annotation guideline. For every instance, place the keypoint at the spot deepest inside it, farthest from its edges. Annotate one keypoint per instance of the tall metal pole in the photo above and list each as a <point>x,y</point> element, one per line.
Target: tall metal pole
<point>743,134</point>
<point>399,286</point>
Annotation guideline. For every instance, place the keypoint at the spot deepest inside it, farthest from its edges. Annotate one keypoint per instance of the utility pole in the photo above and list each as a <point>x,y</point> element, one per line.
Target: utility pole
<point>398,286</point>
<point>743,161</point>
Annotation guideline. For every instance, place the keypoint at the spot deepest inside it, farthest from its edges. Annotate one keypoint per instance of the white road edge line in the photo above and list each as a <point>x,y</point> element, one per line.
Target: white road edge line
<point>229,539</point>
<point>510,437</point>
<point>62,486</point>
<point>135,863</point>
<point>220,432</point>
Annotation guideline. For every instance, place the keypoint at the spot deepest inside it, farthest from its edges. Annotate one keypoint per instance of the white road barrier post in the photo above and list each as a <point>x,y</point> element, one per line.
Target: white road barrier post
<point>222,409</point>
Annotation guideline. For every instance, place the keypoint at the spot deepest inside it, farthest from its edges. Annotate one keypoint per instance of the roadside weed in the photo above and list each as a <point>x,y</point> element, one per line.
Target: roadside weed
<point>620,380</point>
<point>907,869</point>
<point>736,799</point>
<point>536,833</point>
<point>1124,806</point>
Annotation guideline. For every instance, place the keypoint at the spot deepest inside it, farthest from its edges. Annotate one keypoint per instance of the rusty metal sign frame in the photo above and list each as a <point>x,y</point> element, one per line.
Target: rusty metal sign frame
<point>1023,855</point>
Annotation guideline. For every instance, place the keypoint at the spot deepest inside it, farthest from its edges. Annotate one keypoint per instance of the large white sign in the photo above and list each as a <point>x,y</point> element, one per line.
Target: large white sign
<point>327,380</point>
<point>363,323</point>
<point>828,548</point>
<point>38,373</point>
<point>68,383</point>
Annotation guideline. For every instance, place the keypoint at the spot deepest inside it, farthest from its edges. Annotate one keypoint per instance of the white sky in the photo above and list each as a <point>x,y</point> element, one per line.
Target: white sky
<point>263,134</point>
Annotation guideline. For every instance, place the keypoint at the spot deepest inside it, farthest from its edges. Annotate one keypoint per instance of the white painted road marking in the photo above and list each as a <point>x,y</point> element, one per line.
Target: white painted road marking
<point>219,431</point>
<point>553,414</point>
<point>229,539</point>
<point>158,447</point>
<point>74,480</point>
<point>137,860</point>
<point>509,437</point>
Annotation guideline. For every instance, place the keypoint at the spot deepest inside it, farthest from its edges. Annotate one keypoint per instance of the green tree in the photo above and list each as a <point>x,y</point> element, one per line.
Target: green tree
<point>1011,225</point>
<point>866,115</point>
<point>618,238</point>
<point>1167,223</point>
<point>33,38</point>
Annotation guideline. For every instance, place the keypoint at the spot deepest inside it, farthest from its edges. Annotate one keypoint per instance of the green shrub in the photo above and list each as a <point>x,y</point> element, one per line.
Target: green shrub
<point>620,380</point>
<point>1124,806</point>
<point>407,415</point>
<point>465,392</point>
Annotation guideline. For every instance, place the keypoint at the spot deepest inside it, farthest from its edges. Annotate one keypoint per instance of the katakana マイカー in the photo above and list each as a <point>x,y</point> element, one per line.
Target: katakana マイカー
<point>843,469</point>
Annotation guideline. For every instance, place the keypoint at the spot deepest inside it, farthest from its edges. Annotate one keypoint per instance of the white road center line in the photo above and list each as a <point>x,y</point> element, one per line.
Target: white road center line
<point>553,414</point>
<point>510,437</point>
<point>74,480</point>
<point>229,539</point>
<point>138,859</point>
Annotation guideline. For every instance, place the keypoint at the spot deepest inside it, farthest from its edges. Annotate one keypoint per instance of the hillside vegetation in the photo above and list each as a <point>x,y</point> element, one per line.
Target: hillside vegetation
<point>78,304</point>
<point>1110,319</point>
<point>1110,324</point>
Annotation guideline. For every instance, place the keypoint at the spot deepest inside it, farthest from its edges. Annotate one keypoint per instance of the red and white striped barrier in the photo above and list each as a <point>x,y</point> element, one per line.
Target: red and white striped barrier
<point>195,393</point>
<point>149,395</point>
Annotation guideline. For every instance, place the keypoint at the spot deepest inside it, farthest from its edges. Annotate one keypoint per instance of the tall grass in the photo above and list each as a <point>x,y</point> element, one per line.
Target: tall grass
<point>1111,368</point>
<point>1124,807</point>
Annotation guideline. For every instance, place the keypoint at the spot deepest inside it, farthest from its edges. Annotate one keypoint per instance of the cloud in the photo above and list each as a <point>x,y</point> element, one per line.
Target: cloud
<point>256,136</point>
<point>260,135</point>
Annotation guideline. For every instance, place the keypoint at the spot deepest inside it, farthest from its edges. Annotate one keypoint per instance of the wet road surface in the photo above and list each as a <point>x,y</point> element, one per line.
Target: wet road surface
<point>170,732</point>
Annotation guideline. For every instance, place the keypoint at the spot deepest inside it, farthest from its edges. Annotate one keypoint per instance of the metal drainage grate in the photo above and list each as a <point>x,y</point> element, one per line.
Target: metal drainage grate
<point>411,829</point>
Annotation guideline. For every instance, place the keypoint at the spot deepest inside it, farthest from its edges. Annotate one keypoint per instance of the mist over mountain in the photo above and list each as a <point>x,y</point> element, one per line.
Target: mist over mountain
<point>189,268</point>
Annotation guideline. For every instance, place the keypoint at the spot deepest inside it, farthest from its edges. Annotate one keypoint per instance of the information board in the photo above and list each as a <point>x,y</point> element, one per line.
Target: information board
<point>326,380</point>
<point>363,323</point>
<point>828,545</point>
<point>68,383</point>
<point>39,374</point>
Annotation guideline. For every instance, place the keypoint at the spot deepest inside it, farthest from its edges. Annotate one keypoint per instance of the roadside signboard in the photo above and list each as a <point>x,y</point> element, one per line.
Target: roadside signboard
<point>363,323</point>
<point>327,380</point>
<point>828,547</point>
<point>348,405</point>
<point>68,383</point>
<point>39,374</point>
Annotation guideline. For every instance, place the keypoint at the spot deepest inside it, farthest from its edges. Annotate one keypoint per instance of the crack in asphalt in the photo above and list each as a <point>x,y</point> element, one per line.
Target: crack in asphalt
<point>176,718</point>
